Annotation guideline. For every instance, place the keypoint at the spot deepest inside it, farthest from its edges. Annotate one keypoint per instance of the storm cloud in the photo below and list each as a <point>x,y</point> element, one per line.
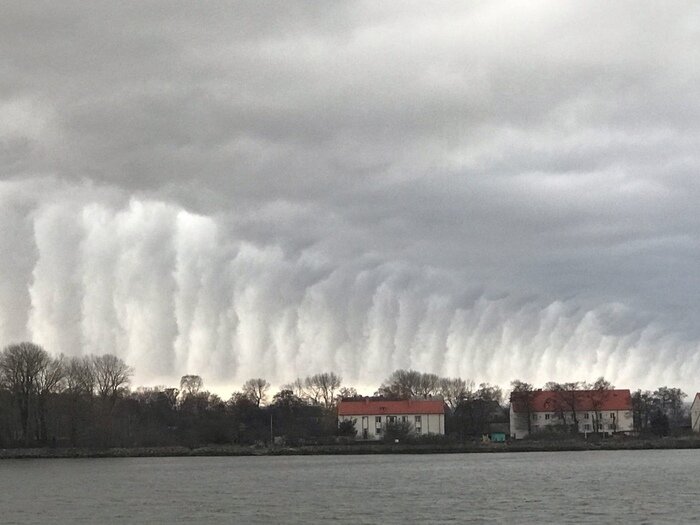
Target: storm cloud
<point>491,190</point>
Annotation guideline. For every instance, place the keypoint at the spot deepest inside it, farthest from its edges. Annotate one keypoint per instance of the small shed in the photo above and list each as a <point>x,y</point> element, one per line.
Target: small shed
<point>497,437</point>
<point>498,432</point>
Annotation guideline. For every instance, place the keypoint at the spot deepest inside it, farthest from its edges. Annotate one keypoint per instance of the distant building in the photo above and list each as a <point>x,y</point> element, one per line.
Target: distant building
<point>695,414</point>
<point>370,415</point>
<point>595,411</point>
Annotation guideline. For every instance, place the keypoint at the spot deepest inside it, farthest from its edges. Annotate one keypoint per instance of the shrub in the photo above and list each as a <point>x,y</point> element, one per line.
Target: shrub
<point>400,430</point>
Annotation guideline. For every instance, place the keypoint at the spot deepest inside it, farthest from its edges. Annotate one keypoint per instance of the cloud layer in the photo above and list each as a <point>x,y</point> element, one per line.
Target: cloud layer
<point>492,190</point>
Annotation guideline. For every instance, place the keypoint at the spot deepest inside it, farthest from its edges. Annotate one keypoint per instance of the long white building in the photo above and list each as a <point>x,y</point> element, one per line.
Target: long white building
<point>370,415</point>
<point>594,411</point>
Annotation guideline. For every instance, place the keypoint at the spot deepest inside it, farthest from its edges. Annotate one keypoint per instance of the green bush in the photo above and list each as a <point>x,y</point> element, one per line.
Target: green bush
<point>401,430</point>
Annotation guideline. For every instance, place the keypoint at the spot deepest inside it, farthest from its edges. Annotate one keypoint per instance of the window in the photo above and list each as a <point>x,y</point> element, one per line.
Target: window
<point>391,419</point>
<point>586,427</point>
<point>534,417</point>
<point>546,416</point>
<point>403,418</point>
<point>586,415</point>
<point>418,430</point>
<point>378,430</point>
<point>612,415</point>
<point>378,419</point>
<point>418,419</point>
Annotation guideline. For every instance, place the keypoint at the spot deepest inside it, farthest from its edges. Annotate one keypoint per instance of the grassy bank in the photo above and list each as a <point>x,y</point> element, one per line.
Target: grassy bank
<point>357,448</point>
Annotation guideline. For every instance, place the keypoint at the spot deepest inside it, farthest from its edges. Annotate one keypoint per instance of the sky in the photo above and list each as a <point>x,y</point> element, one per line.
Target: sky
<point>489,189</point>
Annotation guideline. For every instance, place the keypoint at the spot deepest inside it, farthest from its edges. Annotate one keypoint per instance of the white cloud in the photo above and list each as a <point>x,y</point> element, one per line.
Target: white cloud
<point>488,189</point>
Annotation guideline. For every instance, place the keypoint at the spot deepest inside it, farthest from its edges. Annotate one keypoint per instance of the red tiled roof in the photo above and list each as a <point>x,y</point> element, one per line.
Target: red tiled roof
<point>374,407</point>
<point>584,400</point>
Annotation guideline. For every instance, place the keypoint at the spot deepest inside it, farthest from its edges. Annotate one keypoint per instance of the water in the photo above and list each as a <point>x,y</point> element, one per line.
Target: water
<point>562,487</point>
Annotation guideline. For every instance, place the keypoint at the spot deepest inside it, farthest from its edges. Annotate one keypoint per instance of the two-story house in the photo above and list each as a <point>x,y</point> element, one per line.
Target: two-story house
<point>371,415</point>
<point>588,411</point>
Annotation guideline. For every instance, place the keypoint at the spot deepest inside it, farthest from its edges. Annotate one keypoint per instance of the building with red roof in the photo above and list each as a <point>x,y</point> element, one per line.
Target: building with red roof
<point>370,415</point>
<point>589,411</point>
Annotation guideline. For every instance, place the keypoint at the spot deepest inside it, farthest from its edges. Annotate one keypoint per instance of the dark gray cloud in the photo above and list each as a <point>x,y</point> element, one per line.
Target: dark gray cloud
<point>487,189</point>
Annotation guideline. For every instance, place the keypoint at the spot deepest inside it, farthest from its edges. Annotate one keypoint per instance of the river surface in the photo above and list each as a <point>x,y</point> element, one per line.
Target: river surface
<point>537,487</point>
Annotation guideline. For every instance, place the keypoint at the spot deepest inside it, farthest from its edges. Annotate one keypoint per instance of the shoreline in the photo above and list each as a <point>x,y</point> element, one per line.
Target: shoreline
<point>352,449</point>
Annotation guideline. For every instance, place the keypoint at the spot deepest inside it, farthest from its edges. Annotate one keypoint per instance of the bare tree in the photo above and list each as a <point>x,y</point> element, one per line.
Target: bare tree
<point>80,385</point>
<point>454,390</point>
<point>491,393</point>
<point>670,402</point>
<point>50,380</point>
<point>20,366</point>
<point>297,388</point>
<point>322,388</point>
<point>429,385</point>
<point>474,413</point>
<point>602,384</point>
<point>112,377</point>
<point>256,390</point>
<point>566,399</point>
<point>642,410</point>
<point>599,392</point>
<point>80,375</point>
<point>347,392</point>
<point>171,396</point>
<point>190,385</point>
<point>401,384</point>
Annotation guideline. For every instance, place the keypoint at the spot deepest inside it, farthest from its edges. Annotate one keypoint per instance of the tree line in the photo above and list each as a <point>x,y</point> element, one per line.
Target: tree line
<point>88,401</point>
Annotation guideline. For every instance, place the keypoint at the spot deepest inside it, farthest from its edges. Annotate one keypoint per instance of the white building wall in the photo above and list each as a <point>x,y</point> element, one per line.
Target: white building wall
<point>436,424</point>
<point>695,414</point>
<point>518,424</point>
<point>428,424</point>
<point>608,421</point>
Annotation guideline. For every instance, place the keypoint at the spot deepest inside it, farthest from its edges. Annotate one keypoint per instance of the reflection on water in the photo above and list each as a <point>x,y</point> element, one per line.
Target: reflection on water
<point>548,487</point>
